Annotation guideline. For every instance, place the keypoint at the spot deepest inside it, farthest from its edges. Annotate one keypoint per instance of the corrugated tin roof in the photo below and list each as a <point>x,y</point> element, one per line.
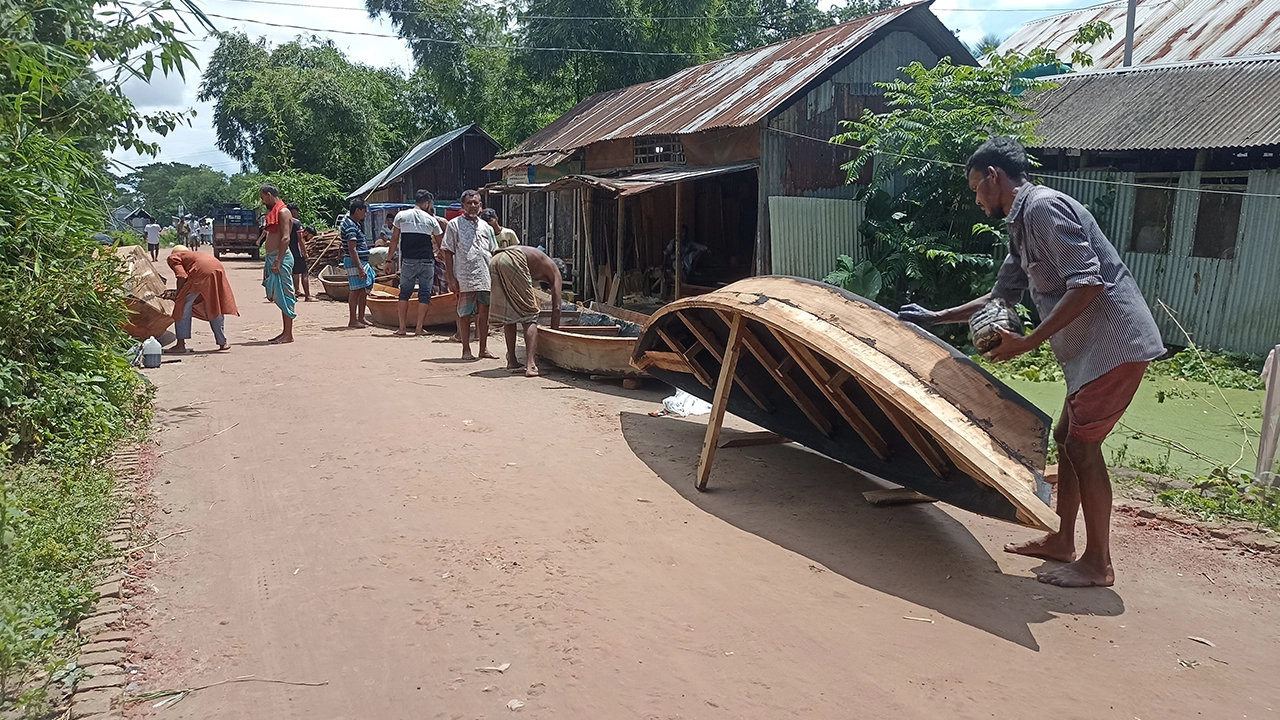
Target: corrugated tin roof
<point>640,182</point>
<point>1215,104</point>
<point>547,159</point>
<point>736,91</point>
<point>1166,31</point>
<point>419,154</point>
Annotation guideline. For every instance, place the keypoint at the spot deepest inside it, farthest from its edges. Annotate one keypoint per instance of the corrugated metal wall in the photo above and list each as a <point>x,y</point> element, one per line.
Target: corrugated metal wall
<point>1222,304</point>
<point>810,232</point>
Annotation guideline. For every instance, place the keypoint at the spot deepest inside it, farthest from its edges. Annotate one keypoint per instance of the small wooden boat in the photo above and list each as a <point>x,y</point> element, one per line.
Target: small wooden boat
<point>383,307</point>
<point>334,280</point>
<point>844,377</point>
<point>595,342</point>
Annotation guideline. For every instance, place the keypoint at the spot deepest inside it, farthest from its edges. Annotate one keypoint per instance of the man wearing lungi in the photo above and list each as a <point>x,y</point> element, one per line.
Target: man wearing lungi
<point>468,245</point>
<point>513,271</point>
<point>360,275</point>
<point>203,292</point>
<point>1101,330</point>
<point>277,271</point>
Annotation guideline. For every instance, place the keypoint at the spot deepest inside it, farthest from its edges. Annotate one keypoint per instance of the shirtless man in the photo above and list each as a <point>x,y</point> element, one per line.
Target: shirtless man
<point>277,272</point>
<point>513,271</point>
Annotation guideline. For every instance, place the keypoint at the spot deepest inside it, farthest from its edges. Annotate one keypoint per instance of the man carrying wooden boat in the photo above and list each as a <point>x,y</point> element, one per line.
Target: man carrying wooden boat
<point>513,270</point>
<point>1095,319</point>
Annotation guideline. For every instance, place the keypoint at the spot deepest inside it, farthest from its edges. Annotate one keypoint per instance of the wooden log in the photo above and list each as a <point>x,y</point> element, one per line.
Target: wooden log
<point>721,402</point>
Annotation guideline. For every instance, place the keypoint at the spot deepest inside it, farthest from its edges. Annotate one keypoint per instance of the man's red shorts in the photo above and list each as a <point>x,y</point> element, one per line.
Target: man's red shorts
<point>1094,410</point>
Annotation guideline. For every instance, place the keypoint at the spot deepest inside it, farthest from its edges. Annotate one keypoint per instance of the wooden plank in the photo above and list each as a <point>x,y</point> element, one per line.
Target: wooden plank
<point>896,496</point>
<point>936,461</point>
<point>752,439</point>
<point>669,361</point>
<point>779,372</point>
<point>614,311</point>
<point>615,289</point>
<point>833,392</point>
<point>709,341</point>
<point>689,355</point>
<point>720,402</point>
<point>595,330</point>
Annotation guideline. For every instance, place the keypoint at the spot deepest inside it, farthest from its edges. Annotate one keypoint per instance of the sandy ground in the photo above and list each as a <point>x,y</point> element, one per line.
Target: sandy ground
<point>384,519</point>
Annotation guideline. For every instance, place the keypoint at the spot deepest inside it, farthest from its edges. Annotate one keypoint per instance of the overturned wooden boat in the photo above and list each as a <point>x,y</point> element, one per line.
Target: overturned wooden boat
<point>383,306</point>
<point>598,340</point>
<point>334,280</point>
<point>844,377</point>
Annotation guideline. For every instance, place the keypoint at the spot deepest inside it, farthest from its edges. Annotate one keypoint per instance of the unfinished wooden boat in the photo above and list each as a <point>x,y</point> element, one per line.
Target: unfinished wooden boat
<point>593,342</point>
<point>844,377</point>
<point>383,307</point>
<point>334,280</point>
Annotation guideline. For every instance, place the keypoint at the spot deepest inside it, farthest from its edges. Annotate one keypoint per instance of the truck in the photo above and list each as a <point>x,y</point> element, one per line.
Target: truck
<point>235,230</point>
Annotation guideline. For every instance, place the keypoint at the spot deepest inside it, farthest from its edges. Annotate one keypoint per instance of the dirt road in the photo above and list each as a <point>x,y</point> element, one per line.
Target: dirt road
<point>384,519</point>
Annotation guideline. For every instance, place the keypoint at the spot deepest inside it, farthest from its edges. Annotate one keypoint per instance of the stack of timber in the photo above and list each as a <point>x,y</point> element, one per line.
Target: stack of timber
<point>325,249</point>
<point>595,341</point>
<point>384,301</point>
<point>844,377</point>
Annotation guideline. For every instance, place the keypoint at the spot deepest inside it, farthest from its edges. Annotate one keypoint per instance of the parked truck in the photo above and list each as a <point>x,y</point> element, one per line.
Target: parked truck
<point>235,230</point>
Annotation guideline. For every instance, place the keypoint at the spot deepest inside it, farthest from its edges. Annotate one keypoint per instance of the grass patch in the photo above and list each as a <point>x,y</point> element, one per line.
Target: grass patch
<point>51,528</point>
<point>1227,496</point>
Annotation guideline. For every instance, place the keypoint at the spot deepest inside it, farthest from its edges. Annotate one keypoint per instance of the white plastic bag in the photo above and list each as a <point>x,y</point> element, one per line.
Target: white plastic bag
<point>684,405</point>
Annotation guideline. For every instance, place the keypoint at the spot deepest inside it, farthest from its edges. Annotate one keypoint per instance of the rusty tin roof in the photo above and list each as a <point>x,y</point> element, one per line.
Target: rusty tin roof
<point>1167,31</point>
<point>736,91</point>
<point>1231,103</point>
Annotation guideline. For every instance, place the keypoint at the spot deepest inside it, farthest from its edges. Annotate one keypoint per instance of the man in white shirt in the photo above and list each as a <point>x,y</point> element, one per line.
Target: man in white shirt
<point>152,233</point>
<point>415,233</point>
<point>468,246</point>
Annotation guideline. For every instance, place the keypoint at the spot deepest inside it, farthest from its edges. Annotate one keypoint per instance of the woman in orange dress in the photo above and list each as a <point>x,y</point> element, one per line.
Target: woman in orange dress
<point>203,292</point>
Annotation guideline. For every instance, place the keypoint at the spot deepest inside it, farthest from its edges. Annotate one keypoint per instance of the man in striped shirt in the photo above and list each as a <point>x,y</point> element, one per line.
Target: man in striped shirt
<point>1101,330</point>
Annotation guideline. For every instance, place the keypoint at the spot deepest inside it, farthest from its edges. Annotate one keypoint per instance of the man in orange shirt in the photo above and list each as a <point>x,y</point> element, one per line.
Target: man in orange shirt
<point>203,292</point>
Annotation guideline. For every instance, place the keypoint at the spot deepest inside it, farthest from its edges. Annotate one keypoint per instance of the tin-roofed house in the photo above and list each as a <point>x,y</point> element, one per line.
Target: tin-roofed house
<point>735,151</point>
<point>446,165</point>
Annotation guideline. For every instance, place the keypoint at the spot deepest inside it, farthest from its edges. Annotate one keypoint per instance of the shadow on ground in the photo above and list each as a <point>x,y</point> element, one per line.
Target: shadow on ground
<point>813,506</point>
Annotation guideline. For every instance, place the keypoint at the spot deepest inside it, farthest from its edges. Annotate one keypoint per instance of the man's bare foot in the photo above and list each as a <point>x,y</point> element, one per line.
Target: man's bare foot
<point>514,364</point>
<point>455,338</point>
<point>272,340</point>
<point>1079,574</point>
<point>401,332</point>
<point>419,332</point>
<point>283,340</point>
<point>223,348</point>
<point>531,372</point>
<point>485,354</point>
<point>356,324</point>
<point>468,357</point>
<point>1056,547</point>
<point>307,299</point>
<point>178,351</point>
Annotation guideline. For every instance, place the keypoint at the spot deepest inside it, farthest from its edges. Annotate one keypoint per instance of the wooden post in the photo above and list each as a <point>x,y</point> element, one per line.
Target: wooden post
<point>677,263</point>
<point>721,401</point>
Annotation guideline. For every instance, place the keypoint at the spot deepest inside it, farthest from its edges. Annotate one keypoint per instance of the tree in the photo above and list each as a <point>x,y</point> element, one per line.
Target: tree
<point>304,106</point>
<point>162,188</point>
<point>319,198</point>
<point>986,45</point>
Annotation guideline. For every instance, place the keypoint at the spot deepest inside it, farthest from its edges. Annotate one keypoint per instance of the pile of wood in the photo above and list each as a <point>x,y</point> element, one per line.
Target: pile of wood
<point>325,249</point>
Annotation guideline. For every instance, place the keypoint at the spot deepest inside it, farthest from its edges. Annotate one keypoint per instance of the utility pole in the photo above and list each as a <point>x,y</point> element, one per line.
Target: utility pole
<point>1128,32</point>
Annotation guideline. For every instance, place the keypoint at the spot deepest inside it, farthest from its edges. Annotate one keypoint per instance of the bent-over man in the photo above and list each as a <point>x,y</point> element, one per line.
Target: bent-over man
<point>416,234</point>
<point>203,292</point>
<point>513,272</point>
<point>277,271</point>
<point>468,245</point>
<point>1101,330</point>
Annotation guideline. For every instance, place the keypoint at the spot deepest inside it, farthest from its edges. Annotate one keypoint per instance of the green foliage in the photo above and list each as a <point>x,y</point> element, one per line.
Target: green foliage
<point>162,188</point>
<point>1226,495</point>
<point>304,106</point>
<point>319,198</point>
<point>862,279</point>
<point>1228,370</point>
<point>1039,365</point>
<point>987,45</point>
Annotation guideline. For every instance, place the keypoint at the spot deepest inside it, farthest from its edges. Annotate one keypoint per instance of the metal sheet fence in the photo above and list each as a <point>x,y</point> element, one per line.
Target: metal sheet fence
<point>808,234</point>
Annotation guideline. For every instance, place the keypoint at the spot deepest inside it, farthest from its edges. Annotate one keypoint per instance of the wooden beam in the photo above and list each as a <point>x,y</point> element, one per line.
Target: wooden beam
<point>936,460</point>
<point>689,354</point>
<point>896,496</point>
<point>752,439</point>
<point>835,394</point>
<point>721,400</point>
<point>779,371</point>
<point>669,361</point>
<point>709,341</point>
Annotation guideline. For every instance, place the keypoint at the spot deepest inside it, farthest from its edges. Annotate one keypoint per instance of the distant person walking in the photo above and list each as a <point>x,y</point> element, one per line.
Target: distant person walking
<point>505,237</point>
<point>204,292</point>
<point>277,271</point>
<point>416,234</point>
<point>360,275</point>
<point>152,234</point>
<point>468,245</point>
<point>298,249</point>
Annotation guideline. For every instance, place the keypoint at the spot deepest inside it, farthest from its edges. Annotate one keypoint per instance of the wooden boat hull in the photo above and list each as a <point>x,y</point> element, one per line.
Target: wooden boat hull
<point>383,308</point>
<point>593,355</point>
<point>335,286</point>
<point>844,377</point>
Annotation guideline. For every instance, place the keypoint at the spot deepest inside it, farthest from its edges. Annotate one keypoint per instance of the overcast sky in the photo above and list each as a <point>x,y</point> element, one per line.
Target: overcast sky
<point>196,145</point>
